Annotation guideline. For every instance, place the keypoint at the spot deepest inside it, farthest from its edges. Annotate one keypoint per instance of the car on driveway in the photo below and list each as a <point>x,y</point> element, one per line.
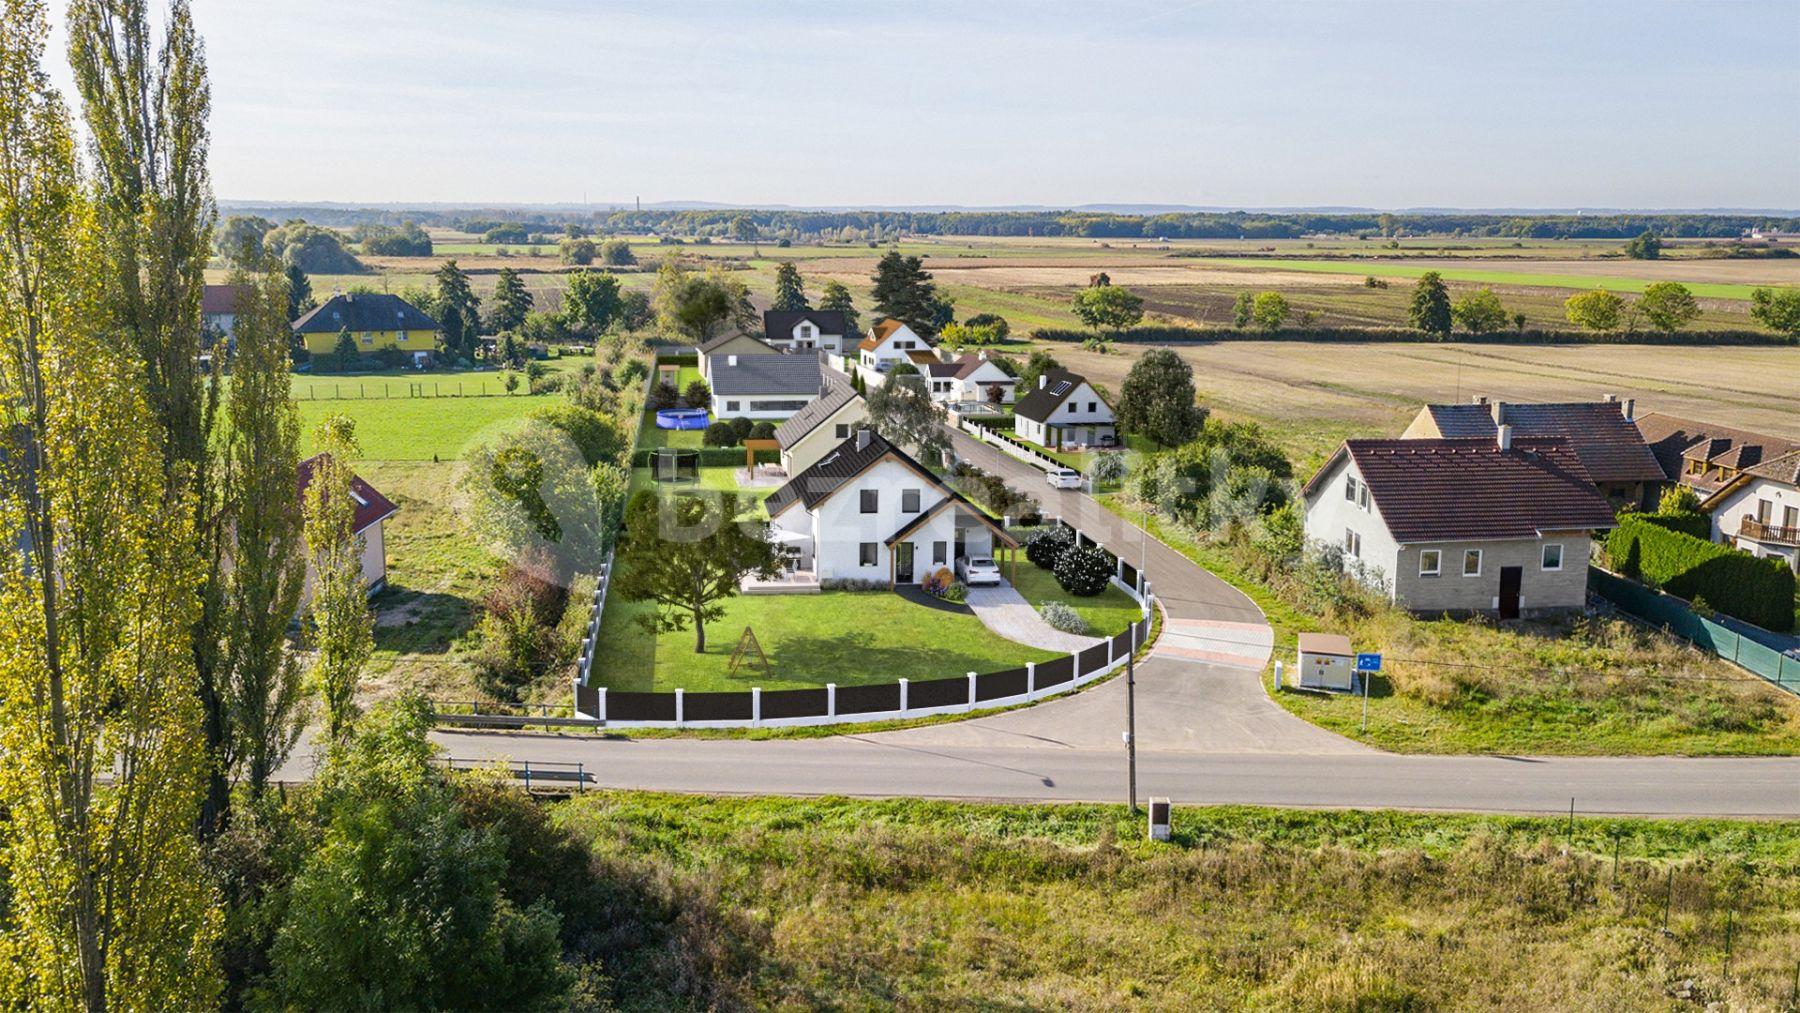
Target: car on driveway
<point>1063,478</point>
<point>977,570</point>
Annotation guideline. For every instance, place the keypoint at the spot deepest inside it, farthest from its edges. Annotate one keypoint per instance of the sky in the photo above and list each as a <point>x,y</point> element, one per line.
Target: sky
<point>1373,104</point>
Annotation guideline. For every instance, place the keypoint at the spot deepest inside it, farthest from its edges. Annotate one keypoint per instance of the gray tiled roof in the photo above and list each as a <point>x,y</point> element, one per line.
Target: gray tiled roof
<point>780,324</point>
<point>365,311</point>
<point>766,374</point>
<point>837,393</point>
<point>1610,446</point>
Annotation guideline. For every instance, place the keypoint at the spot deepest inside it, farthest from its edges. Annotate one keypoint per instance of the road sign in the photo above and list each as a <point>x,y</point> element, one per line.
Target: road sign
<point>1368,663</point>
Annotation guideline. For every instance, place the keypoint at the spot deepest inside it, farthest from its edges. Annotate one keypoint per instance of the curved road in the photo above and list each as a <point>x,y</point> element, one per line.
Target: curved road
<point>1207,733</point>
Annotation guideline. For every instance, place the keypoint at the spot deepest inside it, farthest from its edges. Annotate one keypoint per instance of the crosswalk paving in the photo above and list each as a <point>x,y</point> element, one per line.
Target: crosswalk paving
<point>1239,645</point>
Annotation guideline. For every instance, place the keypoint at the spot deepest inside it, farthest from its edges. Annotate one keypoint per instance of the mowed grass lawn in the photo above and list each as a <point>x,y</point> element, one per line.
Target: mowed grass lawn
<point>1108,613</point>
<point>843,637</point>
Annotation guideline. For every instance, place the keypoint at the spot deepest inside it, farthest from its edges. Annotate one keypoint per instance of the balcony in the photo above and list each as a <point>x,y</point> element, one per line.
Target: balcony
<point>1774,534</point>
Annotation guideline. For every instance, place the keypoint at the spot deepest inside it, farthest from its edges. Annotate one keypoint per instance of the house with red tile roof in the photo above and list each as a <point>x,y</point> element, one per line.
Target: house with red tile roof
<point>372,511</point>
<point>1496,525</point>
<point>1705,456</point>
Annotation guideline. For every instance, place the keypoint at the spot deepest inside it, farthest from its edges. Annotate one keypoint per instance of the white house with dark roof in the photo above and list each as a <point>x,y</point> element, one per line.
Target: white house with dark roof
<point>1462,525</point>
<point>868,512</point>
<point>969,377</point>
<point>770,386</point>
<point>821,426</point>
<point>1758,509</point>
<point>1064,410</point>
<point>726,345</point>
<point>806,330</point>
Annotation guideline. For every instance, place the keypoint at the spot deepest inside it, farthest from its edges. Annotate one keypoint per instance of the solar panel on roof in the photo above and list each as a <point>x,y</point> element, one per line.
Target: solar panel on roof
<point>1061,388</point>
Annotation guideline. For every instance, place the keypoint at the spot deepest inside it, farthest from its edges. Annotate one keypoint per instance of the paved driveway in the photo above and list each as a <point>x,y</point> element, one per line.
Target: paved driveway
<point>1005,611</point>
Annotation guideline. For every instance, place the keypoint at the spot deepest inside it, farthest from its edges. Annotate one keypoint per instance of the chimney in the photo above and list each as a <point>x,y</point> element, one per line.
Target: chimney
<point>1505,438</point>
<point>1499,410</point>
<point>1478,399</point>
<point>1630,409</point>
<point>1610,398</point>
<point>862,439</point>
<point>1043,380</point>
<point>731,360</point>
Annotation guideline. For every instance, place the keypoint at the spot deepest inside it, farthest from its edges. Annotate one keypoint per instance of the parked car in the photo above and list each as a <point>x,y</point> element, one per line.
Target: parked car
<point>1063,478</point>
<point>976,570</point>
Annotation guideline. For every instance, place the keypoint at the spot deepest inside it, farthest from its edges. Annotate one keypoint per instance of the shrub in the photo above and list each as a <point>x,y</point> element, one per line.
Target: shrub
<point>762,430</point>
<point>596,436</point>
<point>663,395</point>
<point>1084,572</point>
<point>1759,591</point>
<point>1047,545</point>
<point>1063,617</point>
<point>740,428</point>
<point>697,395</point>
<point>720,434</point>
<point>957,592</point>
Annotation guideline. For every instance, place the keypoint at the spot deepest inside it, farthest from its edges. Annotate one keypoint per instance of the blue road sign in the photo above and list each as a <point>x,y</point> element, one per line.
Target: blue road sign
<point>1368,663</point>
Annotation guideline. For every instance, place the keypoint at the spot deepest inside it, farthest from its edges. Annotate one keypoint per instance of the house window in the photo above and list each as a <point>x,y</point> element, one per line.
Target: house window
<point>731,406</point>
<point>909,501</point>
<point>843,430</point>
<point>871,500</point>
<point>368,339</point>
<point>806,330</point>
<point>1790,517</point>
<point>1362,496</point>
<point>1093,406</point>
<point>1471,562</point>
<point>1764,509</point>
<point>940,553</point>
<point>1350,488</point>
<point>866,554</point>
<point>1431,562</point>
<point>1352,544</point>
<point>1553,556</point>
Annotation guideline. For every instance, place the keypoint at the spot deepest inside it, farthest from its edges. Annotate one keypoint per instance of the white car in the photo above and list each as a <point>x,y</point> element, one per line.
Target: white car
<point>1063,478</point>
<point>976,570</point>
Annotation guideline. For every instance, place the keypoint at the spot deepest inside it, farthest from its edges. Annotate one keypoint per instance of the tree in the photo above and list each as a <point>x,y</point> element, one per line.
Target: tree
<point>1597,310</point>
<point>1480,312</point>
<point>1270,310</point>
<point>905,292</point>
<point>836,297</point>
<point>399,905</point>
<point>1430,311</point>
<point>1084,572</point>
<point>902,411</point>
<point>1037,365</point>
<point>1243,310</point>
<point>696,306</point>
<point>344,353</point>
<point>459,312</point>
<point>408,240</point>
<point>1158,400</point>
<point>1777,309</point>
<point>342,631</point>
<point>790,291</point>
<point>241,236</point>
<point>591,303</point>
<point>510,302</point>
<point>578,251</point>
<point>697,394</point>
<point>299,289</point>
<point>314,249</point>
<point>1108,307</point>
<point>635,311</point>
<point>617,253</point>
<point>106,900</point>
<point>263,700</point>
<point>1669,305</point>
<point>689,555</point>
<point>1647,246</point>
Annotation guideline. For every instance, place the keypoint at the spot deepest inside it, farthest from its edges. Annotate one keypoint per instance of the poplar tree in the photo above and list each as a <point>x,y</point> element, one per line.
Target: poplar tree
<point>102,766</point>
<point>342,632</point>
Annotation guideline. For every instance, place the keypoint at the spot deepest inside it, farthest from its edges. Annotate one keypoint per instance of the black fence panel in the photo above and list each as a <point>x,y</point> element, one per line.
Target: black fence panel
<point>640,706</point>
<point>716,707</point>
<point>868,699</point>
<point>1056,671</point>
<point>994,685</point>
<point>587,700</point>
<point>1128,574</point>
<point>1143,628</point>
<point>1094,659</point>
<point>794,703</point>
<point>937,692</point>
<point>1121,644</point>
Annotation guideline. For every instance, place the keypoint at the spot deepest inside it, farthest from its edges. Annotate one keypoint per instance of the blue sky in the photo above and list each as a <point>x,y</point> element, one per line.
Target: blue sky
<point>1518,104</point>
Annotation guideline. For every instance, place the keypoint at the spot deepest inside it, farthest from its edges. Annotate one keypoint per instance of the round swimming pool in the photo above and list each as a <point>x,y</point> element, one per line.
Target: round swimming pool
<point>681,418</point>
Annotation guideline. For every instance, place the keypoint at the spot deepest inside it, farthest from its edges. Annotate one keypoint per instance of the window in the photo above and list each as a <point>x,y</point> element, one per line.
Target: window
<point>368,339</point>
<point>1093,406</point>
<point>806,330</point>
<point>940,553</point>
<point>1431,562</point>
<point>1764,509</point>
<point>843,430</point>
<point>1352,544</point>
<point>1362,496</point>
<point>866,554</point>
<point>1350,488</point>
<point>1790,517</point>
<point>731,406</point>
<point>1471,562</point>
<point>1553,556</point>
<point>909,501</point>
<point>871,500</point>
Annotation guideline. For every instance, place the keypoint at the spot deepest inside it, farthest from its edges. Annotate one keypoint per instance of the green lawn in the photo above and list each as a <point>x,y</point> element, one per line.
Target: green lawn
<point>1701,290</point>
<point>1108,613</point>
<point>842,637</point>
<point>421,429</point>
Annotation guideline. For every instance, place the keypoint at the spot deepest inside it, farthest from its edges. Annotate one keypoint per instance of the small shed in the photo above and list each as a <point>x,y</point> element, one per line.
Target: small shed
<point>1326,662</point>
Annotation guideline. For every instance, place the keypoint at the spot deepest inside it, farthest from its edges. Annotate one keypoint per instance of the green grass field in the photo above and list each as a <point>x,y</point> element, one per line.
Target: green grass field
<point>1615,283</point>
<point>421,429</point>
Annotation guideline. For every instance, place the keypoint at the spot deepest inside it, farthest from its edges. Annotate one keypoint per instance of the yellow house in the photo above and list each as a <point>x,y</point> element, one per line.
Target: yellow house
<point>375,320</point>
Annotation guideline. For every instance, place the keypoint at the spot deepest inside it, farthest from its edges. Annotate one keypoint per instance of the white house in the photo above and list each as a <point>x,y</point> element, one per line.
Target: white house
<point>729,345</point>
<point>1064,409</point>
<point>806,330</point>
<point>821,426</point>
<point>372,511</point>
<point>969,377</point>
<point>1462,525</point>
<point>1759,510</point>
<point>219,307</point>
<point>771,386</point>
<point>868,512</point>
<point>889,343</point>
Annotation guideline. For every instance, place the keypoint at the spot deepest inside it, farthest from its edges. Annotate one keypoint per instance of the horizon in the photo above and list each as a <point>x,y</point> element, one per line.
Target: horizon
<point>1382,106</point>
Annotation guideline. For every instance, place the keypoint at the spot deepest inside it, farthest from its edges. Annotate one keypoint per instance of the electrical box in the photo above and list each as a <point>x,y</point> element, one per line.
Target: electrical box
<point>1159,819</point>
<point>1326,662</point>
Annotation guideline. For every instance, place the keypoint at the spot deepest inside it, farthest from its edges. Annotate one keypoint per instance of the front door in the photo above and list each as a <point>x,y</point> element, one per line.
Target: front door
<point>1511,579</point>
<point>903,563</point>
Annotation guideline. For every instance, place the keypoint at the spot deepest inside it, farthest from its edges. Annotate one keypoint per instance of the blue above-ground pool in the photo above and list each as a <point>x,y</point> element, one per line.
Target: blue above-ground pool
<point>681,418</point>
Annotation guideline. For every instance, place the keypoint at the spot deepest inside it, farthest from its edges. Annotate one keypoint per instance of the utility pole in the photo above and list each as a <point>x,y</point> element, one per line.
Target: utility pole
<point>1131,719</point>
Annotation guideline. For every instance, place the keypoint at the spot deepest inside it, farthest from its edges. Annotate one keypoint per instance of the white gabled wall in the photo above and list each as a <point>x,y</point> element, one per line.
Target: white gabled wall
<point>839,527</point>
<point>1329,515</point>
<point>1728,516</point>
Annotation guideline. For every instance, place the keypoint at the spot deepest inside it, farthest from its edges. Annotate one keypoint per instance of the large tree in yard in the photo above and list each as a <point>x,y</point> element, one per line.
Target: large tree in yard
<point>688,555</point>
<point>1157,399</point>
<point>902,411</point>
<point>510,302</point>
<point>904,291</point>
<point>836,297</point>
<point>459,311</point>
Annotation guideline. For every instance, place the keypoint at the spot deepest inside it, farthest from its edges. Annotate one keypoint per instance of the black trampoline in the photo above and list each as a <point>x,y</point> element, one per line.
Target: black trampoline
<point>675,464</point>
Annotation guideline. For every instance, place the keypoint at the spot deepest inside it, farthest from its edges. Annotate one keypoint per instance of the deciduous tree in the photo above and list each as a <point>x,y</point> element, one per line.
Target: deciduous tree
<point>902,411</point>
<point>342,633</point>
<point>1598,310</point>
<point>1480,312</point>
<point>1243,310</point>
<point>689,555</point>
<point>591,303</point>
<point>1430,310</point>
<point>1108,307</point>
<point>1158,400</point>
<point>1669,305</point>
<point>697,306</point>
<point>1270,310</point>
<point>1039,363</point>
<point>1647,246</point>
<point>1777,309</point>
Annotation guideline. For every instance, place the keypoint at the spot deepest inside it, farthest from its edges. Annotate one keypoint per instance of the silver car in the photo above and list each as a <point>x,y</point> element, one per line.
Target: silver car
<point>976,570</point>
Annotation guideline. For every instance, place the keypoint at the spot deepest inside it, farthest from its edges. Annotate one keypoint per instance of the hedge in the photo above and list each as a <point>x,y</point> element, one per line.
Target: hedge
<point>1169,335</point>
<point>1697,525</point>
<point>710,457</point>
<point>1759,591</point>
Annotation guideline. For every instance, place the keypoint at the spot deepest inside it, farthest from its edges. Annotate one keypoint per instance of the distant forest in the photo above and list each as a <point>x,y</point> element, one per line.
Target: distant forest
<point>754,224</point>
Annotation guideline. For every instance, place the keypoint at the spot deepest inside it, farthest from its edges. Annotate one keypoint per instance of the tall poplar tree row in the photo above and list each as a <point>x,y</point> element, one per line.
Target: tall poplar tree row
<point>102,766</point>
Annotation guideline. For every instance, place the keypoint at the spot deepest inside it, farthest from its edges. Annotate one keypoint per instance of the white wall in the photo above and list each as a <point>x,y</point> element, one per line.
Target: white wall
<point>840,527</point>
<point>374,554</point>
<point>758,406</point>
<point>1329,515</point>
<point>1729,516</point>
<point>823,439</point>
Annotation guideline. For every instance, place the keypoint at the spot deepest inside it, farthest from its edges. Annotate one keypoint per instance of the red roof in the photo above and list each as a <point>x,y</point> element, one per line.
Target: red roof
<point>223,298</point>
<point>1468,488</point>
<point>1610,446</point>
<point>371,506</point>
